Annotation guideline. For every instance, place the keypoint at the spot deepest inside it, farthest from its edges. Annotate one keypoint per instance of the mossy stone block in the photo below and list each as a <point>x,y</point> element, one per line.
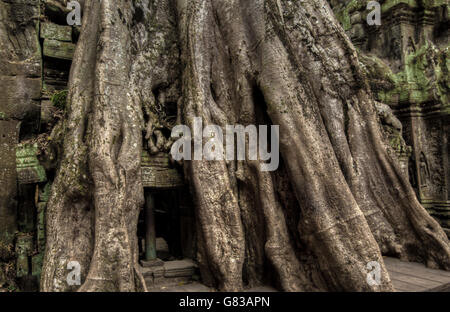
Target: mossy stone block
<point>59,49</point>
<point>28,167</point>
<point>56,32</point>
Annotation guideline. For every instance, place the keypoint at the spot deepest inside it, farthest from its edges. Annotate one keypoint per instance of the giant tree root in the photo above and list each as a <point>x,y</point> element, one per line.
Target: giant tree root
<point>338,200</point>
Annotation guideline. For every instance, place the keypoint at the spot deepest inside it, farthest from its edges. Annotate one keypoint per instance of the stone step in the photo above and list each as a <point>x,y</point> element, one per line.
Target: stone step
<point>168,273</point>
<point>180,268</point>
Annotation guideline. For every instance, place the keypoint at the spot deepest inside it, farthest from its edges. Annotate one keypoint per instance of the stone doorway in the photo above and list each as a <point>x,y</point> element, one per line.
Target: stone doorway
<point>166,228</point>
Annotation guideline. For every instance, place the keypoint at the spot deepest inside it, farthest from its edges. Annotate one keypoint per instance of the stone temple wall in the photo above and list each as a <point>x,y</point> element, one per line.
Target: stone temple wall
<point>36,48</point>
<point>407,61</point>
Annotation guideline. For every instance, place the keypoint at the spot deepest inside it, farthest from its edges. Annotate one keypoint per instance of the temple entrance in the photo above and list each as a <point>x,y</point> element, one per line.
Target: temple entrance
<point>166,226</point>
<point>166,229</point>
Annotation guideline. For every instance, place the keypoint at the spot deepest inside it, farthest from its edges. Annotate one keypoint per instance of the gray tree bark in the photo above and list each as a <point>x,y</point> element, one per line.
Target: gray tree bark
<point>337,202</point>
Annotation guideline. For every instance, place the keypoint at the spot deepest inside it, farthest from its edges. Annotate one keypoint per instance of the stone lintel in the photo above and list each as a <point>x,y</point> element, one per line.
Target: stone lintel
<point>59,49</point>
<point>56,32</point>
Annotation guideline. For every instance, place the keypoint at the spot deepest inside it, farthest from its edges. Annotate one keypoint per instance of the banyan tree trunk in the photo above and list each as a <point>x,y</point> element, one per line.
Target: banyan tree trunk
<point>337,202</point>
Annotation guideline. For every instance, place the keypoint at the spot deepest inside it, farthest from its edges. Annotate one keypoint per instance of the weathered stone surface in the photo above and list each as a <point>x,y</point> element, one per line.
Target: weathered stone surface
<point>179,268</point>
<point>20,97</point>
<point>26,208</point>
<point>24,247</point>
<point>176,272</point>
<point>28,168</point>
<point>8,190</point>
<point>156,172</point>
<point>155,264</point>
<point>40,235</point>
<point>47,110</point>
<point>44,193</point>
<point>59,49</point>
<point>393,130</point>
<point>36,265</point>
<point>20,61</point>
<point>406,59</point>
<point>56,32</point>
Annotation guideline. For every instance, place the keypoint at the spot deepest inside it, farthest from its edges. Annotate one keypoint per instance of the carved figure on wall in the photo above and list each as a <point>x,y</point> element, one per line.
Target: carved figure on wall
<point>424,171</point>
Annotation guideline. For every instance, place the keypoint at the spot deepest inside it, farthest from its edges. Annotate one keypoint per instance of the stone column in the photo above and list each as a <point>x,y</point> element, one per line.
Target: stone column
<point>175,224</point>
<point>150,231</point>
<point>8,181</point>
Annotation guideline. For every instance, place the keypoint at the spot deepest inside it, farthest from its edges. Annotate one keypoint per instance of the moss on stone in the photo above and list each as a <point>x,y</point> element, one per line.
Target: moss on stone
<point>56,32</point>
<point>344,12</point>
<point>59,99</point>
<point>28,167</point>
<point>424,78</point>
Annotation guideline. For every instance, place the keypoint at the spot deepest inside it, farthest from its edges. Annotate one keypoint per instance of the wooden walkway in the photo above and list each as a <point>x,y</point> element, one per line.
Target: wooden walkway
<point>405,276</point>
<point>415,277</point>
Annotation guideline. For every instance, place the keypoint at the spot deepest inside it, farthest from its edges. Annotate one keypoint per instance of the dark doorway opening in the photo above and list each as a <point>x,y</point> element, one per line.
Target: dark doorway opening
<point>174,225</point>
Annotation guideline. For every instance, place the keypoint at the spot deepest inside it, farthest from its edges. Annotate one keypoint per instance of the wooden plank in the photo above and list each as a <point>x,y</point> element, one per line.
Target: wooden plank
<point>412,277</point>
<point>402,286</point>
<point>423,275</point>
<point>417,269</point>
<point>403,264</point>
<point>442,288</point>
<point>416,280</point>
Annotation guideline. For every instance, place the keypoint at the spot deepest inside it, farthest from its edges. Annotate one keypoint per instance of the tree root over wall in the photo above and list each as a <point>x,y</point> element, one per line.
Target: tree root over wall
<point>337,202</point>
